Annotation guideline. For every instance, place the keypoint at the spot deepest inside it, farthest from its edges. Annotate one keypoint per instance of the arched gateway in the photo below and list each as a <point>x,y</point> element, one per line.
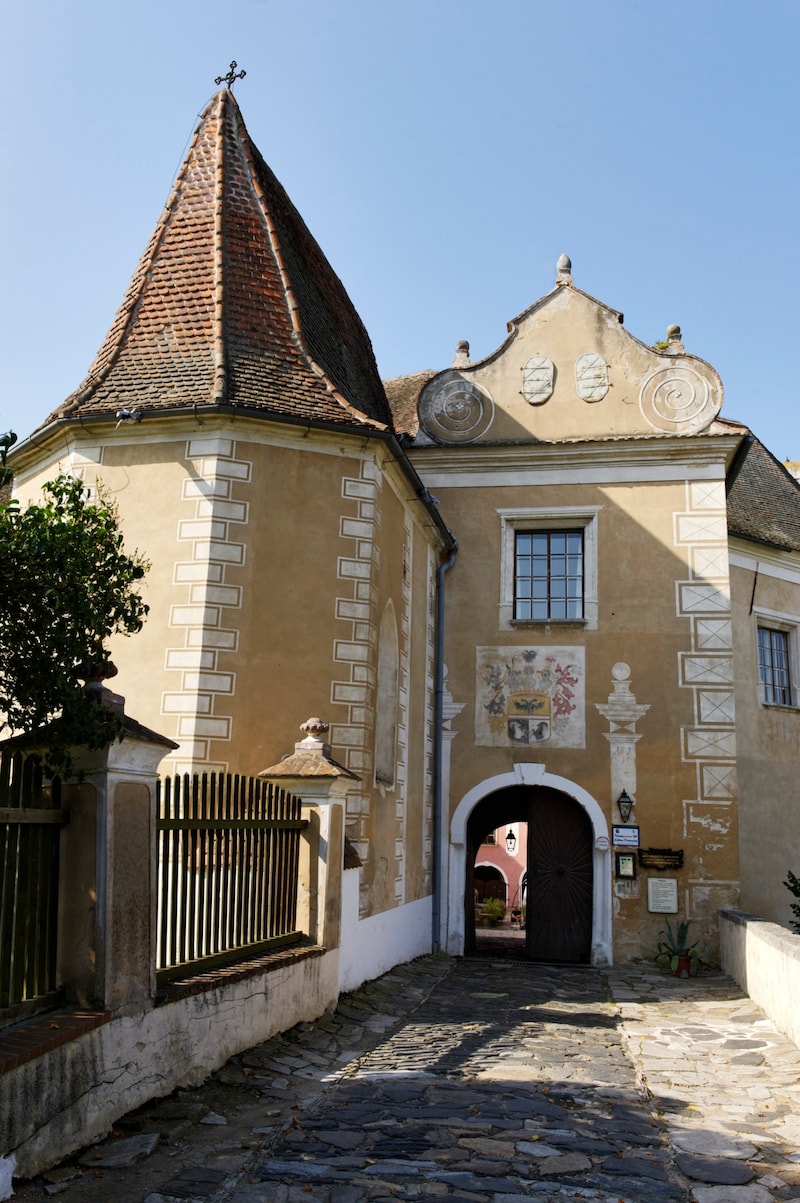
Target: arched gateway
<point>569,863</point>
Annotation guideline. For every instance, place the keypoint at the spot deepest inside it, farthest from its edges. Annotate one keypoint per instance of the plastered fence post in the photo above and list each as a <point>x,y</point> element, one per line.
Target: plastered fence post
<point>107,872</point>
<point>322,783</point>
<point>108,890</point>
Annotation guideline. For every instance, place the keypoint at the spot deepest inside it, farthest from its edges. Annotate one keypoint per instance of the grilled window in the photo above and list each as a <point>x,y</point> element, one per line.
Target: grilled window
<point>773,666</point>
<point>548,575</point>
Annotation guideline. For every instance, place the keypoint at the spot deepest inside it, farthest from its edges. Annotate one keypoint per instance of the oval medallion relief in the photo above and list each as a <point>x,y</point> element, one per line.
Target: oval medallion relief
<point>591,376</point>
<point>538,377</point>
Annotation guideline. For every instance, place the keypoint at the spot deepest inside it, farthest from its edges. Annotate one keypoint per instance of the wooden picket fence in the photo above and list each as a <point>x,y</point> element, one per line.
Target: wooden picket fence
<point>228,861</point>
<point>30,821</point>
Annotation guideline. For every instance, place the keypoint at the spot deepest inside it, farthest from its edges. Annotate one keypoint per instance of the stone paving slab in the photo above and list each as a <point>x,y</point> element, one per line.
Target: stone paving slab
<point>483,1081</point>
<point>725,1082</point>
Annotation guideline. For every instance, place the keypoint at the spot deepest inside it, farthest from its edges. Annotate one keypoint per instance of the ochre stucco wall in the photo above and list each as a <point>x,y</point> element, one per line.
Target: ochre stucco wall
<point>273,555</point>
<point>768,740</point>
<point>638,567</point>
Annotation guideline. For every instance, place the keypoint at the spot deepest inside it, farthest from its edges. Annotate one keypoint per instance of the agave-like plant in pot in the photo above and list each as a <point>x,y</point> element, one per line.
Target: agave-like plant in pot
<point>676,949</point>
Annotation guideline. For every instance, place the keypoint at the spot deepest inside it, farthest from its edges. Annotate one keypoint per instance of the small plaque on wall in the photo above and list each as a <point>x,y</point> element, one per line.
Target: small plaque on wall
<point>662,895</point>
<point>624,864</point>
<point>625,837</point>
<point>661,858</point>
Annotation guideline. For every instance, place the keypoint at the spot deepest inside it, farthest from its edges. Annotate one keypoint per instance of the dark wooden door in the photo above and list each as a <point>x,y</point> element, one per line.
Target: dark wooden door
<point>559,902</point>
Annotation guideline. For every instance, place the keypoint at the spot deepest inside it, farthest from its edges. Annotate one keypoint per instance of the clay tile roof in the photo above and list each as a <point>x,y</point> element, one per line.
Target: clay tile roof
<point>308,764</point>
<point>233,302</point>
<point>403,394</point>
<point>763,498</point>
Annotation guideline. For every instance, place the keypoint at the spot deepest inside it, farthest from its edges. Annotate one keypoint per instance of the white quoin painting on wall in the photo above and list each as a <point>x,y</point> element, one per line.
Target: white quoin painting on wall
<point>526,696</point>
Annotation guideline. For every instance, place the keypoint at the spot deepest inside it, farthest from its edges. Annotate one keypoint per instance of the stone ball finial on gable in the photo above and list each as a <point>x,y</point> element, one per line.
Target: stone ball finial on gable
<point>564,270</point>
<point>674,338</point>
<point>461,357</point>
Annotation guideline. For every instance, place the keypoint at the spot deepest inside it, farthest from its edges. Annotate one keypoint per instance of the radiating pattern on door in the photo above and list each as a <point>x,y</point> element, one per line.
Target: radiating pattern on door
<point>559,902</point>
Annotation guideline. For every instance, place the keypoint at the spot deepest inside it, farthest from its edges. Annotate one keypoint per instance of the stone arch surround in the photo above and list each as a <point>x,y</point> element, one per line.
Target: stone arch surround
<point>530,775</point>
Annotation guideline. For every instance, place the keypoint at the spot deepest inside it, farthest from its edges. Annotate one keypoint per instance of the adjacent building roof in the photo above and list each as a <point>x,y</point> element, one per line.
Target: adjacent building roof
<point>403,394</point>
<point>233,303</point>
<point>763,498</point>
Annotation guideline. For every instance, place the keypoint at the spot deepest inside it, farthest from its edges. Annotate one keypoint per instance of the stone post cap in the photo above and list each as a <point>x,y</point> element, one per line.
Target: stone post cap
<point>315,729</point>
<point>94,673</point>
<point>311,756</point>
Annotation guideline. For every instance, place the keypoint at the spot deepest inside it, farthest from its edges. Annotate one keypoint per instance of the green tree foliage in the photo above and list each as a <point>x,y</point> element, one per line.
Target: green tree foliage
<point>66,585</point>
<point>6,441</point>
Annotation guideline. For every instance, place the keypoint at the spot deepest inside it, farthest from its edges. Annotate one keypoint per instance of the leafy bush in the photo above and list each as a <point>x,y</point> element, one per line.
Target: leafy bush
<point>67,584</point>
<point>493,908</point>
<point>792,884</point>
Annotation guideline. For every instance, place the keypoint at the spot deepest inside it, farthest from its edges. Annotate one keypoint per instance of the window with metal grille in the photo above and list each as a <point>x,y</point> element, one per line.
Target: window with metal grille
<point>548,575</point>
<point>773,666</point>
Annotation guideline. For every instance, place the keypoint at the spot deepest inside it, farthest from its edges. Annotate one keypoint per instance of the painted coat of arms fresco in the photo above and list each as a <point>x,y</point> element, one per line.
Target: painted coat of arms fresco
<point>526,696</point>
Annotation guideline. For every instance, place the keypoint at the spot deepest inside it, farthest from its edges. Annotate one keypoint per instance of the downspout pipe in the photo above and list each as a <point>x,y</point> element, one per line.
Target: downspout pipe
<point>438,741</point>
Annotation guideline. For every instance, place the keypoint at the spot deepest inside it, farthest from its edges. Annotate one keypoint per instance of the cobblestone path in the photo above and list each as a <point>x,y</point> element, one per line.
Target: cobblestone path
<point>477,1081</point>
<point>509,1081</point>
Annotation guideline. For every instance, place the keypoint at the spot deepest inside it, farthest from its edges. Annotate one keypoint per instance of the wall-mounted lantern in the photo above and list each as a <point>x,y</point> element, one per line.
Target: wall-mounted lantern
<point>625,805</point>
<point>511,842</point>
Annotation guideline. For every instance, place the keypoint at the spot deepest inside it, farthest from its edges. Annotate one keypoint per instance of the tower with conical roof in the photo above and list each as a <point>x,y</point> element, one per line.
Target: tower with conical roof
<point>235,412</point>
<point>233,307</point>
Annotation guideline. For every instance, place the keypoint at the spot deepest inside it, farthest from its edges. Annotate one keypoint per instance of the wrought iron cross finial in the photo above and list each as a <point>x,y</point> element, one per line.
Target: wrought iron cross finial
<point>231,77</point>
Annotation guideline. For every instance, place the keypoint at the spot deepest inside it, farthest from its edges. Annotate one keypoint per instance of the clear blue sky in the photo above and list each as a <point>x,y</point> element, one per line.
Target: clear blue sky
<point>443,153</point>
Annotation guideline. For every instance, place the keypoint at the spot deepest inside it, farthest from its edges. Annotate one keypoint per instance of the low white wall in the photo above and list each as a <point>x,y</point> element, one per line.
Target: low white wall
<point>372,946</point>
<point>67,1098</point>
<point>764,958</point>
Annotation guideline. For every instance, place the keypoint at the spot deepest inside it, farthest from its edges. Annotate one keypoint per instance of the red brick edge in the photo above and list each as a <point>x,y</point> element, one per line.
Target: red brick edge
<point>214,978</point>
<point>45,1033</point>
<point>48,1032</point>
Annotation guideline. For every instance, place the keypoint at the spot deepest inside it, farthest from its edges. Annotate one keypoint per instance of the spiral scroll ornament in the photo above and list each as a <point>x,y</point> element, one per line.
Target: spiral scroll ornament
<point>455,410</point>
<point>678,400</point>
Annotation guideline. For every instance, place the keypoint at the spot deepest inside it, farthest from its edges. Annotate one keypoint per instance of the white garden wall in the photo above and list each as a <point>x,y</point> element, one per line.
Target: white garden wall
<point>67,1098</point>
<point>764,958</point>
<point>371,946</point>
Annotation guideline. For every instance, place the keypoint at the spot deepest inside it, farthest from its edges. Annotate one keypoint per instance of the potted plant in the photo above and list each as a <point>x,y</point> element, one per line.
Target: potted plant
<point>676,950</point>
<point>494,910</point>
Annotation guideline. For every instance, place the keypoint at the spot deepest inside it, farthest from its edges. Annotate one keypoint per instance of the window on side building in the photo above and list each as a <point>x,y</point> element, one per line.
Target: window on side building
<point>773,666</point>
